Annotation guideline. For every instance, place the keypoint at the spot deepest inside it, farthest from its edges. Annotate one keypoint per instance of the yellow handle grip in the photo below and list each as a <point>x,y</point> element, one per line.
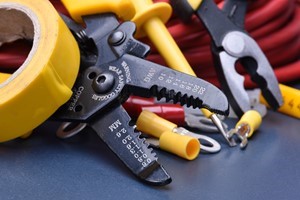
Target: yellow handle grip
<point>78,8</point>
<point>150,19</point>
<point>146,12</point>
<point>252,119</point>
<point>182,145</point>
<point>152,124</point>
<point>291,101</point>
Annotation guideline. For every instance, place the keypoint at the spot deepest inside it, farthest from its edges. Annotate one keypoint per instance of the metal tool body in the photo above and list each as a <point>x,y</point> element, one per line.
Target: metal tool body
<point>232,44</point>
<point>117,71</point>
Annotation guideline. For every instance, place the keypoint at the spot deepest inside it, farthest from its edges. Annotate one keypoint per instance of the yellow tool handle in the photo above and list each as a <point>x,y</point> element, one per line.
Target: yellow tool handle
<point>152,124</point>
<point>184,146</point>
<point>252,120</point>
<point>150,19</point>
<point>78,8</point>
<point>291,101</point>
<point>43,82</point>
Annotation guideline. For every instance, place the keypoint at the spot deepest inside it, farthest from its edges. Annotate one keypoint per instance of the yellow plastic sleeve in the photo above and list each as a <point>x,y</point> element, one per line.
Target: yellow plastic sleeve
<point>253,119</point>
<point>291,101</point>
<point>43,83</point>
<point>152,124</point>
<point>184,146</point>
<point>78,8</point>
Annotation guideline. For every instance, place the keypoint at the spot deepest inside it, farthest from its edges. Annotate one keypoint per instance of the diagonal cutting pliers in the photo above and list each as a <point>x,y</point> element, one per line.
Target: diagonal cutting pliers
<point>231,44</point>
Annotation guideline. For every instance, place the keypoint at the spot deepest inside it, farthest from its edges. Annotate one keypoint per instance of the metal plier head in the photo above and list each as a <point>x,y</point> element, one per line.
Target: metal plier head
<point>112,68</point>
<point>232,44</point>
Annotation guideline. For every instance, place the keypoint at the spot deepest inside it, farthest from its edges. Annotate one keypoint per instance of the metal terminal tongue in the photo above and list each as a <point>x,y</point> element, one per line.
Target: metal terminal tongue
<point>213,147</point>
<point>242,133</point>
<point>69,129</point>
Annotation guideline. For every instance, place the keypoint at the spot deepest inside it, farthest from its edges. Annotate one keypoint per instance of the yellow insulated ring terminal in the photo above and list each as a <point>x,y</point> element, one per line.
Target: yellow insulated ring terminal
<point>43,82</point>
<point>182,145</point>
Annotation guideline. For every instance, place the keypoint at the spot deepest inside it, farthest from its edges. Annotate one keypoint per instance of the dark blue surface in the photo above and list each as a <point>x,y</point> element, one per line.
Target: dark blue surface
<point>45,167</point>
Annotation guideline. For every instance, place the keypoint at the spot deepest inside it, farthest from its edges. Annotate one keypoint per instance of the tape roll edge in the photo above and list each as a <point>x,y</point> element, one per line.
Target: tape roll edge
<point>25,102</point>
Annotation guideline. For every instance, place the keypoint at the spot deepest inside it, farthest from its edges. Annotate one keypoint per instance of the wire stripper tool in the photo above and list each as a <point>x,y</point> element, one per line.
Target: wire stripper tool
<point>230,44</point>
<point>112,69</point>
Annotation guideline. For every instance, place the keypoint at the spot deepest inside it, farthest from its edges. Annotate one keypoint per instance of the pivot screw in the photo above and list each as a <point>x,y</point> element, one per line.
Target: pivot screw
<point>116,38</point>
<point>103,83</point>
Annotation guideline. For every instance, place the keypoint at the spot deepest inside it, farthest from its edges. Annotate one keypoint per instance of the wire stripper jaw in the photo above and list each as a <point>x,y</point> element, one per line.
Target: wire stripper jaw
<point>118,71</point>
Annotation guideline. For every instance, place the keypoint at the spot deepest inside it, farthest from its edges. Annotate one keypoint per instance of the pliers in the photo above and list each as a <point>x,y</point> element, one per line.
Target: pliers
<point>112,68</point>
<point>232,44</point>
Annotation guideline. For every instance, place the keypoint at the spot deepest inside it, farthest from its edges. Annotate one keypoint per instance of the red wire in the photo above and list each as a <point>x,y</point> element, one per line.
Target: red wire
<point>273,24</point>
<point>266,13</point>
<point>276,28</point>
<point>278,22</point>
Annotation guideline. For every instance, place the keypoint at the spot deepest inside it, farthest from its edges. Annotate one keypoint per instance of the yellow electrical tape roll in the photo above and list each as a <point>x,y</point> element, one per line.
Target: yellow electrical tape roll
<point>44,81</point>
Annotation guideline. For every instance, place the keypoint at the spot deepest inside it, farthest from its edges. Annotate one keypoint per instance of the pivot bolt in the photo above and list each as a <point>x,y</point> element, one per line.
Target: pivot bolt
<point>116,38</point>
<point>103,83</point>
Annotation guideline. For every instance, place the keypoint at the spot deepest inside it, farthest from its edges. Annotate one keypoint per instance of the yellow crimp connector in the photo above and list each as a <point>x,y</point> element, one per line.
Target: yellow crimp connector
<point>182,145</point>
<point>124,9</point>
<point>250,120</point>
<point>291,101</point>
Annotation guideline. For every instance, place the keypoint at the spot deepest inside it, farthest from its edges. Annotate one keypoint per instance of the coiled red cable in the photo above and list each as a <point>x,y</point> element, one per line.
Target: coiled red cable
<point>273,24</point>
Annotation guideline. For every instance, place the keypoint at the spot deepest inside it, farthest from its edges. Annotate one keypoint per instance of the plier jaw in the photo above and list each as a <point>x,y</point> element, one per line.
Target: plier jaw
<point>240,47</point>
<point>232,44</point>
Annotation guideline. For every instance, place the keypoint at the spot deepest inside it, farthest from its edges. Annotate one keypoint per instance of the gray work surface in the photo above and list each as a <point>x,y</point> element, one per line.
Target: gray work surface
<point>46,167</point>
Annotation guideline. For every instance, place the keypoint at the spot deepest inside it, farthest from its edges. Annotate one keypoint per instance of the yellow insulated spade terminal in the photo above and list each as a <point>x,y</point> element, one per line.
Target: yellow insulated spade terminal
<point>182,145</point>
<point>246,126</point>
